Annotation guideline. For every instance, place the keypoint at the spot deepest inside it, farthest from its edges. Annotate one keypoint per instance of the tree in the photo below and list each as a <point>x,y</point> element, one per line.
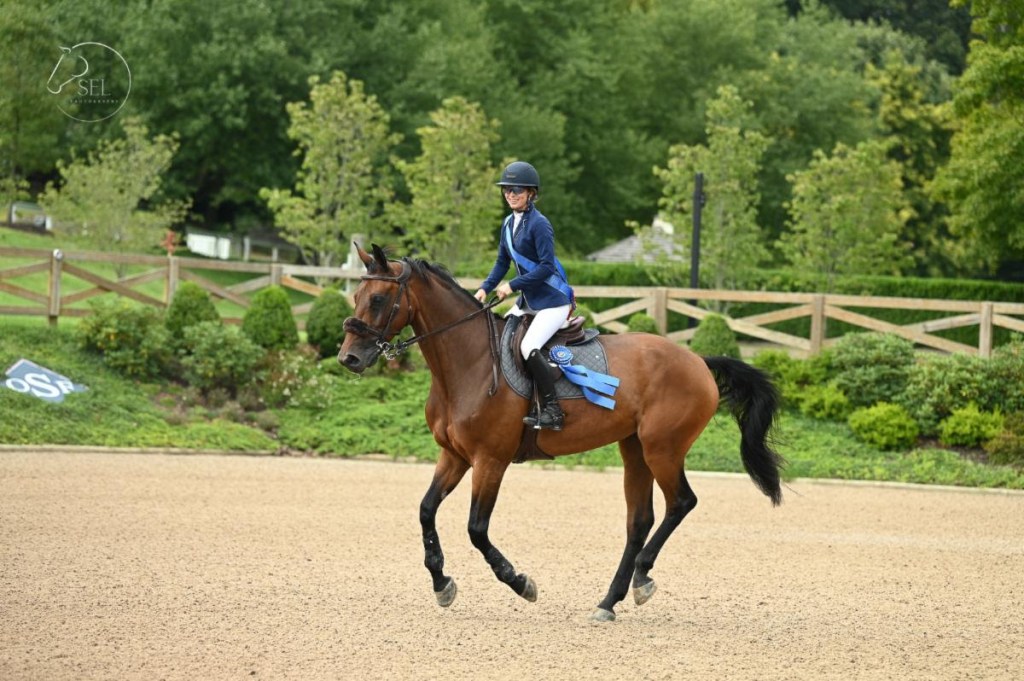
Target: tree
<point>983,179</point>
<point>848,211</point>
<point>341,186</point>
<point>30,123</point>
<point>454,209</point>
<point>731,241</point>
<point>918,133</point>
<point>110,198</point>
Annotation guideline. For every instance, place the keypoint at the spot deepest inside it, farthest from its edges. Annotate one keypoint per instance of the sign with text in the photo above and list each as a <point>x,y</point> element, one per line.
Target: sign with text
<point>28,377</point>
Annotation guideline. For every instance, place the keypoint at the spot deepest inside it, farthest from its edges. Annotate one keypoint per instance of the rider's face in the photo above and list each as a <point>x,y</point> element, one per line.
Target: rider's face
<point>517,202</point>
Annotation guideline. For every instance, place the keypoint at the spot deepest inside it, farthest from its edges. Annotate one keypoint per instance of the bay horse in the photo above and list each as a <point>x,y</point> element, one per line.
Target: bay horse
<point>665,399</point>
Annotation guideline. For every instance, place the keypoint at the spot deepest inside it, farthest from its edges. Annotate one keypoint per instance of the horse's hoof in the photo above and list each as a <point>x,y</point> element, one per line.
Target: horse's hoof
<point>642,594</point>
<point>602,615</point>
<point>446,596</point>
<point>529,591</point>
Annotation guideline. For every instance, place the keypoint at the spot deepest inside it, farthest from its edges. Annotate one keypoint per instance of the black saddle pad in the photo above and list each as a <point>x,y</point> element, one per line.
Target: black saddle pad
<point>589,353</point>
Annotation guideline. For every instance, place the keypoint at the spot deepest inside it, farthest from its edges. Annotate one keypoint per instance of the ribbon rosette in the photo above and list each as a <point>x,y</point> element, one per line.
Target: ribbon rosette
<point>595,386</point>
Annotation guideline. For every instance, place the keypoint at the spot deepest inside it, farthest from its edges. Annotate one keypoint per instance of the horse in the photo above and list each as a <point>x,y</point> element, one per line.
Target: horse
<point>666,397</point>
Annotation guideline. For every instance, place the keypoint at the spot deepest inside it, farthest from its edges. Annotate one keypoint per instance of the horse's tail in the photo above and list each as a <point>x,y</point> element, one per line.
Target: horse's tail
<point>754,401</point>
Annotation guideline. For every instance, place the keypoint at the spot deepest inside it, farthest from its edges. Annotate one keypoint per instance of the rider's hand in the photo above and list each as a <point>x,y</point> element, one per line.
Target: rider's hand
<point>503,291</point>
<point>480,295</point>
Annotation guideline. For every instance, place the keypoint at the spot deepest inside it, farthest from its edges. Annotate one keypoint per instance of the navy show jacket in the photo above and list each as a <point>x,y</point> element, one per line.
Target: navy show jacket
<point>534,240</point>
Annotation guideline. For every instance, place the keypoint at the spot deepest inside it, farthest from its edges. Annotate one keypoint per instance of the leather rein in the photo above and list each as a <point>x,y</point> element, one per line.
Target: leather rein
<point>393,350</point>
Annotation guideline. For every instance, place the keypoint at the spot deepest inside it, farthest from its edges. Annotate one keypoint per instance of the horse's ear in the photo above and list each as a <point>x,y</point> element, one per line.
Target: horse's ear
<point>364,256</point>
<point>381,258</point>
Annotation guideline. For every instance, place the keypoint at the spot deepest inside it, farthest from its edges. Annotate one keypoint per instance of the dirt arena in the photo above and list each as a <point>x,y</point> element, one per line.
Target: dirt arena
<point>155,566</point>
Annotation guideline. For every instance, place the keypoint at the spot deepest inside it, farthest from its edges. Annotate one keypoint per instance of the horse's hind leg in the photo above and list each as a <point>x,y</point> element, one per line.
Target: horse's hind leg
<point>679,501</point>
<point>639,486</point>
<point>487,476</point>
<point>448,473</point>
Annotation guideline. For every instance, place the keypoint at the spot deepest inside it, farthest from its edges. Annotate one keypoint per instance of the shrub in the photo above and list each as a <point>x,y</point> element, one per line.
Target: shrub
<point>969,427</point>
<point>794,377</point>
<point>292,379</point>
<point>325,324</point>
<point>939,384</point>
<point>269,321</point>
<point>825,402</point>
<point>131,338</point>
<point>885,425</point>
<point>1005,378</point>
<point>873,367</point>
<point>1007,447</point>
<point>191,304</point>
<point>222,357</point>
<point>642,323</point>
<point>714,337</point>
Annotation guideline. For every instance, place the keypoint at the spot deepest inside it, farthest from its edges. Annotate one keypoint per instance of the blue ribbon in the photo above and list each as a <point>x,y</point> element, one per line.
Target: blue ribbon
<point>590,382</point>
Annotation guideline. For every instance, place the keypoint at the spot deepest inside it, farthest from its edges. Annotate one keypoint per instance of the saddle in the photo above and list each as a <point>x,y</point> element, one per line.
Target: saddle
<point>573,334</point>
<point>584,343</point>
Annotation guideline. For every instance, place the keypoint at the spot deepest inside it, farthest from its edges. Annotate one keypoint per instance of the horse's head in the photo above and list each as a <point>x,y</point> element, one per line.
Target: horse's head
<point>383,308</point>
<point>70,66</point>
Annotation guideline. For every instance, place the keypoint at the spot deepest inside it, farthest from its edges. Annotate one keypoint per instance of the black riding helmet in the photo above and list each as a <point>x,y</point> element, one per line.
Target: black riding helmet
<point>520,173</point>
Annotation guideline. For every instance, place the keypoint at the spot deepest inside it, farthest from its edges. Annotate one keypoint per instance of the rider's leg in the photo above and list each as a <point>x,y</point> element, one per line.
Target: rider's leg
<point>543,327</point>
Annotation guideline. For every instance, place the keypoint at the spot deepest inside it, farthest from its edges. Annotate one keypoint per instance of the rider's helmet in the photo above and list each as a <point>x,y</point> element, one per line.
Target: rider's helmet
<point>520,173</point>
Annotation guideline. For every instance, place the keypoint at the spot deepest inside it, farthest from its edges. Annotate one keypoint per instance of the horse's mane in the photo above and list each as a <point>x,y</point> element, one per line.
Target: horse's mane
<point>425,268</point>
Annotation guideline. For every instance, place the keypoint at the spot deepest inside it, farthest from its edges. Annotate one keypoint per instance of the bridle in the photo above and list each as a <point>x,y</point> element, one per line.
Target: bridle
<point>393,350</point>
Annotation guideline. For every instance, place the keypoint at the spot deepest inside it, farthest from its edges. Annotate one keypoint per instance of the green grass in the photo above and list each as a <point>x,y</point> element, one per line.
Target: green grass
<point>382,412</point>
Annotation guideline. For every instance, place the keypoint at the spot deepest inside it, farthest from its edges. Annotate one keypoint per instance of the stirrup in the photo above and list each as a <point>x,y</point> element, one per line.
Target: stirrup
<point>550,418</point>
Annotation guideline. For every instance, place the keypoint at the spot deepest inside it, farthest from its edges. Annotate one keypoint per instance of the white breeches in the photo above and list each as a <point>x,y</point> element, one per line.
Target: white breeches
<point>545,324</point>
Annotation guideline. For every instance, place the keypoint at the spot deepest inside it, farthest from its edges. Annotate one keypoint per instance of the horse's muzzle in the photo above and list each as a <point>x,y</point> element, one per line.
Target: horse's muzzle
<point>358,362</point>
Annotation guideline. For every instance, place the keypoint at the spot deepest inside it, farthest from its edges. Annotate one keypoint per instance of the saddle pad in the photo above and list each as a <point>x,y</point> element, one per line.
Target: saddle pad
<point>589,353</point>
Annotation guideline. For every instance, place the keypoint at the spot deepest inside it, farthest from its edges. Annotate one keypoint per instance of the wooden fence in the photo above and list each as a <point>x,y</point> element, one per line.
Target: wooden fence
<point>64,299</point>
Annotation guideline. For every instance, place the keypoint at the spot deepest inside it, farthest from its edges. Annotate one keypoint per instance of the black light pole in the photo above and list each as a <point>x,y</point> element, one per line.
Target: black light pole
<point>698,204</point>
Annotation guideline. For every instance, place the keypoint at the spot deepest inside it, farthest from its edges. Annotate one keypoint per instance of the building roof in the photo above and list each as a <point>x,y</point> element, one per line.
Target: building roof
<point>657,243</point>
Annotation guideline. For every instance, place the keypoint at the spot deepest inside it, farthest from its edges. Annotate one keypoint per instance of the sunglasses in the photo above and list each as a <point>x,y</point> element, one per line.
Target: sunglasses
<point>514,191</point>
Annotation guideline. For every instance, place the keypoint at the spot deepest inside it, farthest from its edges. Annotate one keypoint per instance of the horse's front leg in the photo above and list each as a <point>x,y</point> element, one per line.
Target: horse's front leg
<point>487,476</point>
<point>447,475</point>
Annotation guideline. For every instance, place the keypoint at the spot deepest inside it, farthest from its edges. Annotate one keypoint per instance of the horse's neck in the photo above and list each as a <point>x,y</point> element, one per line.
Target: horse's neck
<point>459,351</point>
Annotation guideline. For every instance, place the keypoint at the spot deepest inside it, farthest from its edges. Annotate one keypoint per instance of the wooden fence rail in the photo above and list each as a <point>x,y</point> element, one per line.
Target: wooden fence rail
<point>65,295</point>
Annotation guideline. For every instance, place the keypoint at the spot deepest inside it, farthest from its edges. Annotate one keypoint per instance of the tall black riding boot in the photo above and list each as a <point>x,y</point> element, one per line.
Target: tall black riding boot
<point>550,416</point>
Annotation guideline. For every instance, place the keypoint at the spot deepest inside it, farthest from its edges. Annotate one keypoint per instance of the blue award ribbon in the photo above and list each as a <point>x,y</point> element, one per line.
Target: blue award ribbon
<point>595,386</point>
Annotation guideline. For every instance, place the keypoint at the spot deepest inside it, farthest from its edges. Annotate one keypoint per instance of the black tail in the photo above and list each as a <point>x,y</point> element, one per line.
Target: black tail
<point>754,401</point>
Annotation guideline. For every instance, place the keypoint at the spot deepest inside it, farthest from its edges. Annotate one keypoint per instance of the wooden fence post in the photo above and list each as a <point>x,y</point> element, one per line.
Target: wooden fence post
<point>53,298</point>
<point>658,309</point>
<point>817,324</point>
<point>173,275</point>
<point>985,331</point>
<point>276,273</point>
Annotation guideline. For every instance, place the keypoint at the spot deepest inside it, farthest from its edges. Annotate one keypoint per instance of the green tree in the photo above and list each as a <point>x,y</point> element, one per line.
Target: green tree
<point>454,207</point>
<point>982,181</point>
<point>110,199</point>
<point>918,132</point>
<point>848,212</point>
<point>731,241</point>
<point>30,123</point>
<point>344,140</point>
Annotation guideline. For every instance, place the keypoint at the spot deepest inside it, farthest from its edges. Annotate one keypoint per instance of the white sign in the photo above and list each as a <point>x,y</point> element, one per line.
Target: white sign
<point>29,378</point>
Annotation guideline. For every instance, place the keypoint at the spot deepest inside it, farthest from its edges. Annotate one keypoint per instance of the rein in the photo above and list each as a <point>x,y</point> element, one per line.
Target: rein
<point>393,350</point>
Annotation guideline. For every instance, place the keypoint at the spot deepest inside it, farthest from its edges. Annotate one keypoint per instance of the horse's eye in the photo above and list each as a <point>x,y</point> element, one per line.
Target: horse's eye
<point>377,302</point>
